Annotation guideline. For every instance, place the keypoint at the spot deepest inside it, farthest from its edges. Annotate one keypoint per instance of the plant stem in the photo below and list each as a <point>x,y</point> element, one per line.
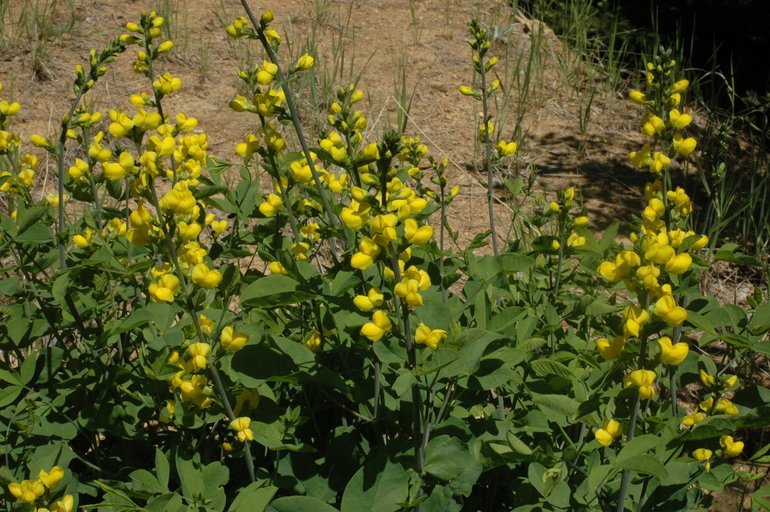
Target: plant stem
<point>488,144</point>
<point>626,473</point>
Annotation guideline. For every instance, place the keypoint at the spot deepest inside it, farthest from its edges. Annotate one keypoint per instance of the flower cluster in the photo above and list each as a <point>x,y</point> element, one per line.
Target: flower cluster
<point>39,492</point>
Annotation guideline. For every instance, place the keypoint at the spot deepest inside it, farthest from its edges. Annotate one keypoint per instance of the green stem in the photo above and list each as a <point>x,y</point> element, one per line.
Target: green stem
<point>488,144</point>
<point>626,473</point>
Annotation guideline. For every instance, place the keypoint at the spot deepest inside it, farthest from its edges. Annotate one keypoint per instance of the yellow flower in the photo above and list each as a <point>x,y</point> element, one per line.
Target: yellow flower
<point>85,240</point>
<point>271,205</point>
<point>637,97</point>
<point>206,277</point>
<point>644,380</point>
<point>668,311</point>
<point>576,240</point>
<point>611,349</point>
<point>635,318</point>
<point>368,250</point>
<point>373,299</point>
<point>702,454</point>
<point>684,146</point>
<point>610,430</point>
<point>232,340</point>
<point>52,478</point>
<point>730,448</point>
<point>305,62</point>
<point>680,86</point>
<point>425,336</point>
<point>672,354</point>
<point>167,84</point>
<point>506,148</point>
<point>726,406</point>
<point>28,490</point>
<point>692,419</point>
<point>415,235</point>
<point>276,267</point>
<point>241,426</point>
<point>166,288</point>
<point>199,353</point>
<point>356,215</point>
<point>708,380</point>
<point>377,328</point>
<point>189,231</point>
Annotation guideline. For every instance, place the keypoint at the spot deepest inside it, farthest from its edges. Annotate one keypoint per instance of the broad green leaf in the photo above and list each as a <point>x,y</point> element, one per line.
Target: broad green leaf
<point>547,367</point>
<point>273,291</point>
<point>644,464</point>
<point>8,394</point>
<point>558,403</point>
<point>254,498</point>
<point>699,322</point>
<point>511,262</point>
<point>379,486</point>
<point>638,446</point>
<point>137,318</point>
<point>517,444</point>
<point>713,426</point>
<point>35,234</point>
<point>162,469</point>
<point>299,504</point>
<point>446,457</point>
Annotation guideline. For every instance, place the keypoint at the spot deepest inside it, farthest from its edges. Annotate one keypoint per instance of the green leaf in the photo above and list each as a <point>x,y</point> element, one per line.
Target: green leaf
<point>558,403</point>
<point>546,367</point>
<point>137,318</point>
<point>9,393</point>
<point>713,426</point>
<point>379,486</point>
<point>446,457</point>
<point>699,322</point>
<point>644,464</point>
<point>146,479</point>
<point>162,469</point>
<point>300,504</point>
<point>511,263</point>
<point>35,234</point>
<point>273,291</point>
<point>517,444</point>
<point>436,361</point>
<point>254,498</point>
<point>27,217</point>
<point>638,446</point>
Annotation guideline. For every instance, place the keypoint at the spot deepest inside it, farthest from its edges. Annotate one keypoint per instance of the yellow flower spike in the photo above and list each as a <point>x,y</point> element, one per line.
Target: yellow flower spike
<point>52,478</point>
<point>610,350</point>
<point>672,354</point>
<point>167,84</point>
<point>205,277</point>
<point>730,447</point>
<point>408,289</point>
<point>377,328</point>
<point>231,340</point>
<point>692,419</point>
<point>430,337</point>
<point>611,429</point>
<point>199,353</point>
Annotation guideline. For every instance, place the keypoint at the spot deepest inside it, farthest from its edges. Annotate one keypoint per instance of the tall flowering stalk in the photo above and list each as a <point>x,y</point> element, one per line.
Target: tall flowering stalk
<point>480,44</point>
